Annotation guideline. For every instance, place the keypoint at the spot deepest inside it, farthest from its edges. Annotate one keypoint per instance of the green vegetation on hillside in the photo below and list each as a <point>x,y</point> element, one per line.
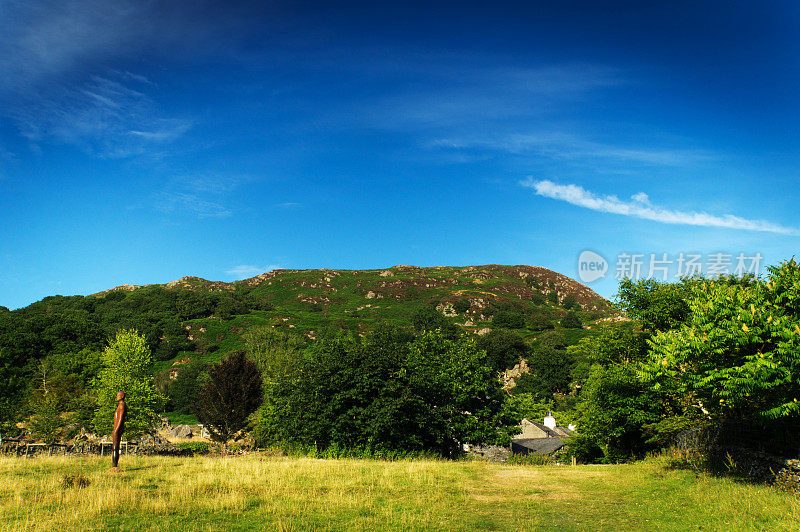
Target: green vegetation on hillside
<point>192,322</point>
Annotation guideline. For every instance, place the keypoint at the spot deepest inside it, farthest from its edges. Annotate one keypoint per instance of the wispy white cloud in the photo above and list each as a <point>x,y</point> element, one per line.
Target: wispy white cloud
<point>177,202</point>
<point>640,206</point>
<point>43,42</point>
<point>164,130</point>
<point>212,183</point>
<point>245,271</point>
<point>570,147</point>
<point>468,94</point>
<point>106,117</point>
<point>205,196</point>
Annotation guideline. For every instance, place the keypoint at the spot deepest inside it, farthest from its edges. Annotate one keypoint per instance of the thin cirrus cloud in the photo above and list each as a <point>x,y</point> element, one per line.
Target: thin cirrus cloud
<point>570,147</point>
<point>204,196</point>
<point>483,96</point>
<point>109,117</point>
<point>639,206</point>
<point>59,83</point>
<point>191,203</point>
<point>245,271</point>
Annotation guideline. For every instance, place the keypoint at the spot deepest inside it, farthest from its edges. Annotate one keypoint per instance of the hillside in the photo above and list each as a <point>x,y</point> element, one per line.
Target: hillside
<point>200,319</point>
<point>490,283</point>
<point>195,314</point>
<point>307,301</point>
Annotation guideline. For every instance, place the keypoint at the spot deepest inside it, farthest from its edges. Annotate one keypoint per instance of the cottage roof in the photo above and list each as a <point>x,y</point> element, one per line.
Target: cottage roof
<point>563,431</point>
<point>538,445</point>
<point>547,430</point>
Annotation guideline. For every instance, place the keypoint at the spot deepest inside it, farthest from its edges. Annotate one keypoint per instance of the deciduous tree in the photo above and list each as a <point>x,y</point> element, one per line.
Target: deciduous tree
<point>128,367</point>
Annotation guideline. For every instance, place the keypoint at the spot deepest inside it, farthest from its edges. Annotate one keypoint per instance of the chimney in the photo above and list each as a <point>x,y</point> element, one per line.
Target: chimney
<point>549,421</point>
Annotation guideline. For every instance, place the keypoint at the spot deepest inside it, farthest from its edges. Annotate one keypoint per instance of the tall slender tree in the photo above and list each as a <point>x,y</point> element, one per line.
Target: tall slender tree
<point>231,394</point>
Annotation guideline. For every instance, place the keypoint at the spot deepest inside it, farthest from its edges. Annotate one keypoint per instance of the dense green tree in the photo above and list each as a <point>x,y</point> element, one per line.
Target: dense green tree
<point>387,392</point>
<point>540,321</point>
<point>426,318</point>
<point>47,420</point>
<point>184,390</point>
<point>461,305</point>
<point>503,347</point>
<point>571,321</point>
<point>569,302</point>
<point>528,406</point>
<point>657,306</point>
<point>50,402</point>
<point>613,344</point>
<point>737,355</point>
<point>550,373</point>
<point>552,297</point>
<point>614,409</point>
<point>537,298</point>
<point>231,394</point>
<point>461,389</point>
<point>508,320</point>
<point>128,367</point>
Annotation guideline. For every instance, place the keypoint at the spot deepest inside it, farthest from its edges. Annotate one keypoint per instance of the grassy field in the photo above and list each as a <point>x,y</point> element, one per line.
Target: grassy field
<point>277,493</point>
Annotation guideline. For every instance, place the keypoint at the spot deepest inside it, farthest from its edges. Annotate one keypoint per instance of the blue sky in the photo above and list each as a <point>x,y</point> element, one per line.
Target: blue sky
<point>144,141</point>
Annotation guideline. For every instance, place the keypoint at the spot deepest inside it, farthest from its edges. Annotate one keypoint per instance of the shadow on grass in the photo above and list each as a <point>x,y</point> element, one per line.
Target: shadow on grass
<point>718,467</point>
<point>144,467</point>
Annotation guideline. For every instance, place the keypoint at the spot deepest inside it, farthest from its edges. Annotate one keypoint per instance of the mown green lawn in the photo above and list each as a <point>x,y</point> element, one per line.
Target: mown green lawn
<point>279,493</point>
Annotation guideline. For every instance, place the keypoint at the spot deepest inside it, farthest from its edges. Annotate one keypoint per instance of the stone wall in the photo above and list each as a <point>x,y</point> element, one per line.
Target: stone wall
<point>745,451</point>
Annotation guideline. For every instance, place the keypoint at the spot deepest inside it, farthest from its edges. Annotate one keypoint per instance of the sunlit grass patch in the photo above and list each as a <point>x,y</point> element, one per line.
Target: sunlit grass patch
<point>270,492</point>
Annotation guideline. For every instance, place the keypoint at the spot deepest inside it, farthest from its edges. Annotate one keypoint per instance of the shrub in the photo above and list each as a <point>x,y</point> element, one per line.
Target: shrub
<point>540,321</point>
<point>530,459</point>
<point>197,447</point>
<point>569,303</point>
<point>571,321</point>
<point>508,320</point>
<point>75,481</point>
<point>462,305</point>
<point>537,298</point>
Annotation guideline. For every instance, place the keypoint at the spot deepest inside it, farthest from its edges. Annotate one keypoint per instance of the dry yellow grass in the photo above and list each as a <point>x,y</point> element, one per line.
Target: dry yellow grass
<point>277,493</point>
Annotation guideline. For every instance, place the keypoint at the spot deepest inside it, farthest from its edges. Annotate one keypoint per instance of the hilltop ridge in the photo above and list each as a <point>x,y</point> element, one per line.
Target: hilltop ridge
<point>491,281</point>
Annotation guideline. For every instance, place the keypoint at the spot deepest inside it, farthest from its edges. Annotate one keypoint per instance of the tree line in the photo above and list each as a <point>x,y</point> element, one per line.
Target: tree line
<point>697,352</point>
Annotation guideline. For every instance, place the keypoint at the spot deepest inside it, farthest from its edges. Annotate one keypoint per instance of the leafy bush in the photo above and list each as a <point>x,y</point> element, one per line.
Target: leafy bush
<point>584,449</point>
<point>504,348</point>
<point>508,320</point>
<point>537,298</point>
<point>427,319</point>
<point>530,459</point>
<point>540,321</point>
<point>571,321</point>
<point>569,303</point>
<point>462,305</point>
<point>197,447</point>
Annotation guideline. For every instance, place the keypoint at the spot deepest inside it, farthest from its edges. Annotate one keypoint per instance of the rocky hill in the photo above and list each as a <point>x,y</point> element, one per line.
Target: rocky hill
<point>482,285</point>
<point>308,301</point>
